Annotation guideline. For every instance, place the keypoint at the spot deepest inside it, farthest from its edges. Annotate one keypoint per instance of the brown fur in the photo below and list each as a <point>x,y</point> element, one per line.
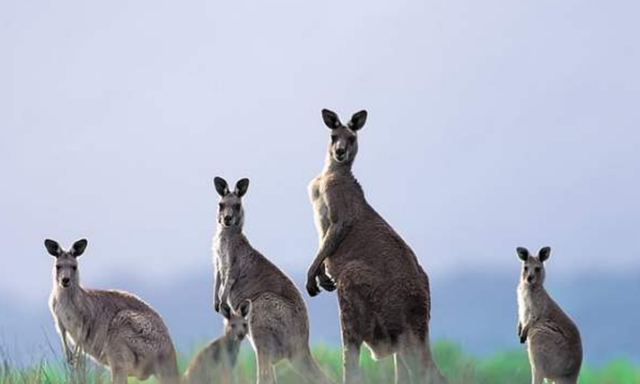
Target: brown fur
<point>554,343</point>
<point>215,362</point>
<point>383,292</point>
<point>115,328</point>
<point>278,323</point>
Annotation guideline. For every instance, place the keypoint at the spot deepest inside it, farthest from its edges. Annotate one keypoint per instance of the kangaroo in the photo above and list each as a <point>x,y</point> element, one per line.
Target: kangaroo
<point>278,323</point>
<point>115,328</point>
<point>555,347</point>
<point>383,292</point>
<point>215,362</point>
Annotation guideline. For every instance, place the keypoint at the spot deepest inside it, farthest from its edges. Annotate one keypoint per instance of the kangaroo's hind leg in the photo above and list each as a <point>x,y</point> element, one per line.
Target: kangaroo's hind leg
<point>266,374</point>
<point>350,324</point>
<point>402,371</point>
<point>536,376</point>
<point>117,358</point>
<point>566,380</point>
<point>167,369</point>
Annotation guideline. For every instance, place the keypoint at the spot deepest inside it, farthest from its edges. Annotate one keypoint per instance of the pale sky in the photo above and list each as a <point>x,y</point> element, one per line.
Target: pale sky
<point>491,125</point>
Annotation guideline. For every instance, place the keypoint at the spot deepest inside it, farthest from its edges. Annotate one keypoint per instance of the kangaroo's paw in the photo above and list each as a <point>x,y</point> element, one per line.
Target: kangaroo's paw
<point>327,283</point>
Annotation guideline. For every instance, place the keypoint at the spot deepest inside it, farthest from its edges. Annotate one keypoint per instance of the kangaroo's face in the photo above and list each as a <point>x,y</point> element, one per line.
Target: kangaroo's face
<point>65,270</point>
<point>230,212</point>
<point>236,323</point>
<point>344,138</point>
<point>533,272</point>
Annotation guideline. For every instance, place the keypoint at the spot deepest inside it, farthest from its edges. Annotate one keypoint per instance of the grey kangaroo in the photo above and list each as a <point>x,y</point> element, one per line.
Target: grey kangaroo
<point>215,362</point>
<point>555,347</point>
<point>383,292</point>
<point>115,328</point>
<point>278,322</point>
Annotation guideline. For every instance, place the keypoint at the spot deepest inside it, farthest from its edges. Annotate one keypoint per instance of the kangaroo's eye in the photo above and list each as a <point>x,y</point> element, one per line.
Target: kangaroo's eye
<point>233,326</point>
<point>74,267</point>
<point>352,139</point>
<point>220,206</point>
<point>236,207</point>
<point>334,139</point>
<point>57,267</point>
<point>537,269</point>
<point>526,269</point>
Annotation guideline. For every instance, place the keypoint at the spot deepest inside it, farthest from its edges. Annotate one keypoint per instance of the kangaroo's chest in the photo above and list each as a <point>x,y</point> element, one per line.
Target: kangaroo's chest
<point>528,310</point>
<point>70,316</point>
<point>317,194</point>
<point>223,257</point>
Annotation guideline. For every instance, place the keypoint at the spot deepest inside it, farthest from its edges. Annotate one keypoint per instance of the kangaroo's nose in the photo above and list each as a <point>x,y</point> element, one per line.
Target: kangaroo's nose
<point>65,281</point>
<point>529,278</point>
<point>227,220</point>
<point>340,151</point>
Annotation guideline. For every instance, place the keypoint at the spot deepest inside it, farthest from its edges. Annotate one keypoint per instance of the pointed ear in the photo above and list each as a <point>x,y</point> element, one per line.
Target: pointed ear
<point>358,120</point>
<point>544,254</point>
<point>245,308</point>
<point>331,119</point>
<point>225,310</point>
<point>523,253</point>
<point>221,186</point>
<point>78,248</point>
<point>53,247</point>
<point>241,187</point>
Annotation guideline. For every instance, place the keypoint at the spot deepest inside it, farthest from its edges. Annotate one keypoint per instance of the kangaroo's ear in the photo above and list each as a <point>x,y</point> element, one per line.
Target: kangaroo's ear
<point>523,253</point>
<point>241,187</point>
<point>358,120</point>
<point>225,310</point>
<point>53,247</point>
<point>221,186</point>
<point>544,254</point>
<point>78,248</point>
<point>331,119</point>
<point>245,308</point>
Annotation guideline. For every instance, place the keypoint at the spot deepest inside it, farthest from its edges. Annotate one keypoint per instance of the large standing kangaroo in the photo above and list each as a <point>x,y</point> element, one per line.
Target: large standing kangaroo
<point>278,321</point>
<point>383,292</point>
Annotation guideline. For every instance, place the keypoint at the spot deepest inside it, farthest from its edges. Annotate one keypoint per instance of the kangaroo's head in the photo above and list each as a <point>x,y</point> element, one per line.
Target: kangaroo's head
<point>65,270</point>
<point>230,212</point>
<point>344,138</point>
<point>236,323</point>
<point>533,266</point>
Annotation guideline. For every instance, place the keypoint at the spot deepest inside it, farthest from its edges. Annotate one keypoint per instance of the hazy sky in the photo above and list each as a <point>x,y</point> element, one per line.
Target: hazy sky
<point>491,125</point>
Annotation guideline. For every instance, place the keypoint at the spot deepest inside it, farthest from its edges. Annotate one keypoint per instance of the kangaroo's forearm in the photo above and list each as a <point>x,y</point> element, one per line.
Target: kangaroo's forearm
<point>524,332</point>
<point>227,289</point>
<point>216,289</point>
<point>332,239</point>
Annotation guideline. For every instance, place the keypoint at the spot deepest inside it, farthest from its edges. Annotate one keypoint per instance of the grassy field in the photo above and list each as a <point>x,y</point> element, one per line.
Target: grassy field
<point>510,367</point>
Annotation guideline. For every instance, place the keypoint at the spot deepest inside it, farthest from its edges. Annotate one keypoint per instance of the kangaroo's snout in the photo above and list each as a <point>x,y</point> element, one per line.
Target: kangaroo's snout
<point>227,219</point>
<point>65,281</point>
<point>530,279</point>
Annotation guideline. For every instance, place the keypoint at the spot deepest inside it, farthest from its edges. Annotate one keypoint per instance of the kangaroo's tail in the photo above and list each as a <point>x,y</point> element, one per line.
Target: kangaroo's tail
<point>307,367</point>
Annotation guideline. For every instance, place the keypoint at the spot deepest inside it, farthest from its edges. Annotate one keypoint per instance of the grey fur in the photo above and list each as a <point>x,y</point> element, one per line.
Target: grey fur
<point>554,344</point>
<point>383,292</point>
<point>278,323</point>
<point>215,362</point>
<point>115,328</point>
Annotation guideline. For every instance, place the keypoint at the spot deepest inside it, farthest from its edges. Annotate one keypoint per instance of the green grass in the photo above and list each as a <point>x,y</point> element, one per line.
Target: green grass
<point>508,367</point>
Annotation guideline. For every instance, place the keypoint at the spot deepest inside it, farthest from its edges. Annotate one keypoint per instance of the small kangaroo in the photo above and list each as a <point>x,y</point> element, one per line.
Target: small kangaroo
<point>278,323</point>
<point>215,362</point>
<point>383,292</point>
<point>555,348</point>
<point>115,328</point>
